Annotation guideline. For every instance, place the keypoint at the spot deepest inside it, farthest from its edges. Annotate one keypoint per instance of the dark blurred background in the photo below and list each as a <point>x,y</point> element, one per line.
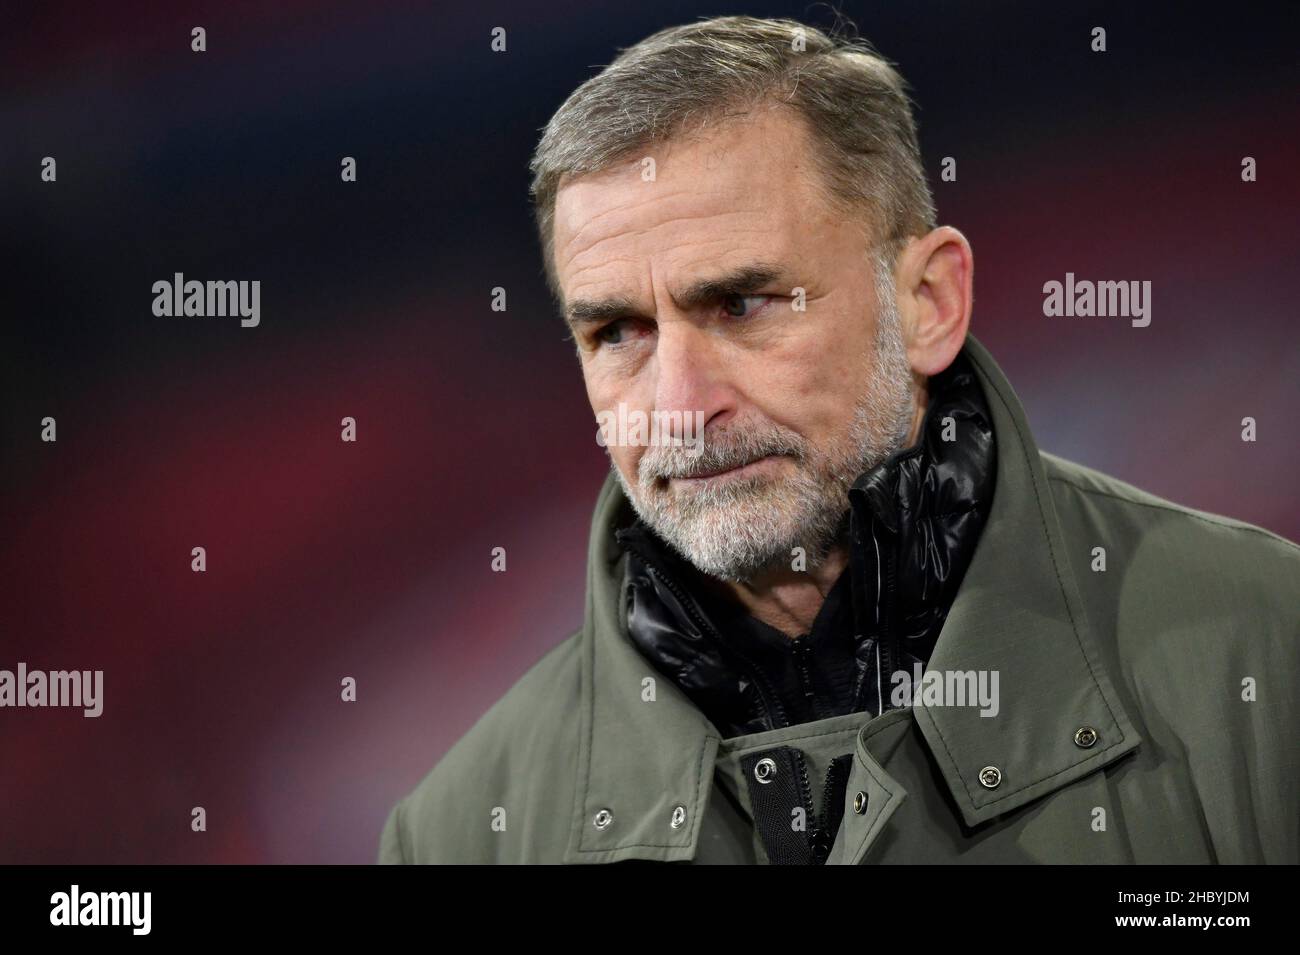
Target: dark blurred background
<point>372,560</point>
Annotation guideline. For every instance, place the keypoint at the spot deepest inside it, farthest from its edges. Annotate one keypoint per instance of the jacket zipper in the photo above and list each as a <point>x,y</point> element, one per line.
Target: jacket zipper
<point>805,790</point>
<point>819,829</point>
<point>818,834</point>
<point>802,652</point>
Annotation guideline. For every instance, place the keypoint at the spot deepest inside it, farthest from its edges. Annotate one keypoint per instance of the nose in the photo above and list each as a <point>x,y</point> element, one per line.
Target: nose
<point>691,376</point>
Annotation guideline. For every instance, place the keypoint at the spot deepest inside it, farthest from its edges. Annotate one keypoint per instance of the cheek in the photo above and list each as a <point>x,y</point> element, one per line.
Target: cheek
<point>603,392</point>
<point>613,426</point>
<point>609,381</point>
<point>627,460</point>
<point>810,380</point>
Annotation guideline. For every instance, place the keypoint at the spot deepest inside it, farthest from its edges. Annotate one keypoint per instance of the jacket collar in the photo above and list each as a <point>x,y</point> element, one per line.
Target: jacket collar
<point>646,753</point>
<point>1019,612</point>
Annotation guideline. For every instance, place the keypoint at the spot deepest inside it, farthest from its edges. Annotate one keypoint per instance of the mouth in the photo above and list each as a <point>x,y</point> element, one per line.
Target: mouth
<point>756,466</point>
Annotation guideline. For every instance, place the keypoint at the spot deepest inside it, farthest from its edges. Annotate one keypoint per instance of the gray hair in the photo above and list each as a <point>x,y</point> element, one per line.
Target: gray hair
<point>682,79</point>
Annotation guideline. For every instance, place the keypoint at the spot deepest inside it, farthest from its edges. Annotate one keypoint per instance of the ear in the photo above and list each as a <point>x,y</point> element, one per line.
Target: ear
<point>933,278</point>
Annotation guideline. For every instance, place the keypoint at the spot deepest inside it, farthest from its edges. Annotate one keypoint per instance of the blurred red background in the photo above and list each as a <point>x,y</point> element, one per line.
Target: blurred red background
<point>371,560</point>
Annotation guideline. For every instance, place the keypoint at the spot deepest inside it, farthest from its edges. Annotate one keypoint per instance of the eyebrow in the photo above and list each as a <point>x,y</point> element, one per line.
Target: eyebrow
<point>744,280</point>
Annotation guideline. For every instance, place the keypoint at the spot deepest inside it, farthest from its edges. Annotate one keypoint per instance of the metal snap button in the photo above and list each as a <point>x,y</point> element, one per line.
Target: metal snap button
<point>990,777</point>
<point>603,819</point>
<point>679,817</point>
<point>860,803</point>
<point>765,770</point>
<point>1085,736</point>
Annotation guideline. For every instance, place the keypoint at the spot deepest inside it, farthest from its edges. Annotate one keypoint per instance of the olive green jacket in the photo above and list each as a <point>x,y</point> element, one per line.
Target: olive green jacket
<point>1146,713</point>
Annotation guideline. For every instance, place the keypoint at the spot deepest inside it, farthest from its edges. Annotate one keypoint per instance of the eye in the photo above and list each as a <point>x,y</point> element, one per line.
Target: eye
<point>740,306</point>
<point>613,333</point>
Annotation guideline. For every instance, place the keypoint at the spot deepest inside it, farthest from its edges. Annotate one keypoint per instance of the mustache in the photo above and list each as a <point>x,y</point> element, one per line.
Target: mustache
<point>732,448</point>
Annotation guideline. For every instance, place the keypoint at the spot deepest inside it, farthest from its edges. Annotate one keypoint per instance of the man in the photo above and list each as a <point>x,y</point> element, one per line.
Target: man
<point>860,618</point>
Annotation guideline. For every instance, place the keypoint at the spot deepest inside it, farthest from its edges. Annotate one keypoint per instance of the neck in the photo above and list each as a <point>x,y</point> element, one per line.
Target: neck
<point>789,599</point>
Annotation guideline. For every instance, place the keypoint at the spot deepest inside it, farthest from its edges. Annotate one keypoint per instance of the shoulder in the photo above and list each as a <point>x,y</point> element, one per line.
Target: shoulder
<point>1196,616</point>
<point>1177,594</point>
<point>515,766</point>
<point>1192,608</point>
<point>1180,539</point>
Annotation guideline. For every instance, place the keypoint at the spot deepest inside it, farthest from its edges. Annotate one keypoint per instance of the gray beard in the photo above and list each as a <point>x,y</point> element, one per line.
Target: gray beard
<point>738,529</point>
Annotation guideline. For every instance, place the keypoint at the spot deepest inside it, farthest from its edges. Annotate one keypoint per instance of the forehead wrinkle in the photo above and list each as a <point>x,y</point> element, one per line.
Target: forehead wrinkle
<point>651,195</point>
<point>576,238</point>
<point>670,194</point>
<point>574,255</point>
<point>709,269</point>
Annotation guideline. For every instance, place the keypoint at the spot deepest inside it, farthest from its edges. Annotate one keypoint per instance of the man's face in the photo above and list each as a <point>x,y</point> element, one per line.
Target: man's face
<point>681,289</point>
